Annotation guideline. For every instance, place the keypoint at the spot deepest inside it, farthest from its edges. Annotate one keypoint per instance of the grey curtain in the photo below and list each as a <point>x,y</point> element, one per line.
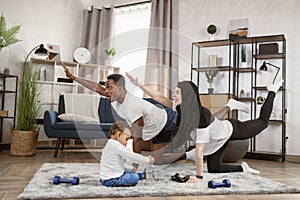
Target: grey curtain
<point>162,56</point>
<point>98,27</point>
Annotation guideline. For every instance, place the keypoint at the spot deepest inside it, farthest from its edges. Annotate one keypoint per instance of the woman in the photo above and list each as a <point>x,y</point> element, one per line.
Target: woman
<point>212,134</point>
<point>212,139</point>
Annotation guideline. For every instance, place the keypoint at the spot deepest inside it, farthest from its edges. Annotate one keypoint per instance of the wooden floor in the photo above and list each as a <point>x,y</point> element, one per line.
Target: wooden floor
<point>16,172</point>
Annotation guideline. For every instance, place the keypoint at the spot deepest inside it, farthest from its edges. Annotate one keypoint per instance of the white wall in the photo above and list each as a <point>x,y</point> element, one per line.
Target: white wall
<point>267,17</point>
<point>63,25</point>
<point>58,22</point>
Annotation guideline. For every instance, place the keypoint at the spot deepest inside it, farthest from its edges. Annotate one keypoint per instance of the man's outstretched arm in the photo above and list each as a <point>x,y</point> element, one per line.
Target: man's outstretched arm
<point>86,83</point>
<point>156,95</point>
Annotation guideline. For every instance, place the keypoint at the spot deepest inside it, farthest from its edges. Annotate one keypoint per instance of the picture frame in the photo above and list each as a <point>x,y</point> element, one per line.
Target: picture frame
<point>238,28</point>
<point>54,52</point>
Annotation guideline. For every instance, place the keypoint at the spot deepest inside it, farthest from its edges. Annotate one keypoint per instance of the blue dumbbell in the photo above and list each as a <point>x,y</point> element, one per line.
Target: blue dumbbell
<point>57,180</point>
<point>213,184</point>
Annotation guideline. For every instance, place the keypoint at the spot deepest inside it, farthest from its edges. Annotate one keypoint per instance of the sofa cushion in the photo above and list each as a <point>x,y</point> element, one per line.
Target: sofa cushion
<point>70,117</point>
<point>82,126</point>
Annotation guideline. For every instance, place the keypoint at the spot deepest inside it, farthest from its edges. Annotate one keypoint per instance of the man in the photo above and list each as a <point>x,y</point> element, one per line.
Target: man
<point>152,127</point>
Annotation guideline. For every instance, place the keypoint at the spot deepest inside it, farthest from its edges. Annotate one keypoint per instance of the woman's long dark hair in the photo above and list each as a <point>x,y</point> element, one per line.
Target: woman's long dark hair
<point>191,114</point>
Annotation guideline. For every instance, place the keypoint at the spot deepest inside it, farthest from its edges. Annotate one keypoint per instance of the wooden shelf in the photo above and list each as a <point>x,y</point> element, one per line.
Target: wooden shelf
<point>224,68</point>
<point>268,56</point>
<point>245,70</point>
<point>213,43</point>
<point>220,68</point>
<point>276,120</point>
<point>246,99</point>
<point>7,91</point>
<point>52,62</point>
<point>7,76</point>
<point>250,40</point>
<point>264,88</point>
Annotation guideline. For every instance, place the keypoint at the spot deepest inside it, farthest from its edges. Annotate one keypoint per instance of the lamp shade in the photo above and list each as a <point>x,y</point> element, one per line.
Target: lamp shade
<point>263,67</point>
<point>41,51</point>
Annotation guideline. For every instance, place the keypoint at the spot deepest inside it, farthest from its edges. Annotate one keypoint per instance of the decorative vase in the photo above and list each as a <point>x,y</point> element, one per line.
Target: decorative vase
<point>23,143</point>
<point>108,61</point>
<point>6,71</point>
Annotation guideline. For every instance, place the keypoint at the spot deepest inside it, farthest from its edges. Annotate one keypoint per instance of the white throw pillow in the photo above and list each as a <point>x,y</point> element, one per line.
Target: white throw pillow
<point>69,117</point>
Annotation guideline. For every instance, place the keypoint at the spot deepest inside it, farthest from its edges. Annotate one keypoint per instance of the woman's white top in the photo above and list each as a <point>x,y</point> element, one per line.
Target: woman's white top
<point>114,154</point>
<point>214,136</point>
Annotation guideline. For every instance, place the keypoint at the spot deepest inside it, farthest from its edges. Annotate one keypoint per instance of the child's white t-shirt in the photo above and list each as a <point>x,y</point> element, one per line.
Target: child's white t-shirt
<point>114,154</point>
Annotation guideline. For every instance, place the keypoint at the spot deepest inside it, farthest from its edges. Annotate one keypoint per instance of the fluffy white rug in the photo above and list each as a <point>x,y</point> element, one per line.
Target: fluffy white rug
<point>158,183</point>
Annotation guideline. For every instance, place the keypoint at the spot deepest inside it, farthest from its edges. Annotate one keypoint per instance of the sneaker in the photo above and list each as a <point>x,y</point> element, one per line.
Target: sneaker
<point>275,87</point>
<point>191,155</point>
<point>248,169</point>
<point>236,105</point>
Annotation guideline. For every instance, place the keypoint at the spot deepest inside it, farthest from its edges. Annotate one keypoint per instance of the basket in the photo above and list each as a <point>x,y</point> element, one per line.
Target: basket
<point>3,113</point>
<point>23,143</point>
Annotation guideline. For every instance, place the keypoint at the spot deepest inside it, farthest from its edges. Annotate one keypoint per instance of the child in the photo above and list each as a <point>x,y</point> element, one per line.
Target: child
<point>112,167</point>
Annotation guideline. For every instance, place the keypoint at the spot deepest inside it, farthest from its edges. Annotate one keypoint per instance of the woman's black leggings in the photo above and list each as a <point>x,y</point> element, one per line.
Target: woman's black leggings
<point>241,130</point>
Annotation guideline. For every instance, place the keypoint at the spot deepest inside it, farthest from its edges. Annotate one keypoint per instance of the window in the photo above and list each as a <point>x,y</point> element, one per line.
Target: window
<point>131,40</point>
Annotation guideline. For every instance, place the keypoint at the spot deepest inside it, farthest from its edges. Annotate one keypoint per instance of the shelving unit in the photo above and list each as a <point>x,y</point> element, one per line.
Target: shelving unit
<point>3,93</point>
<point>235,73</point>
<point>51,88</point>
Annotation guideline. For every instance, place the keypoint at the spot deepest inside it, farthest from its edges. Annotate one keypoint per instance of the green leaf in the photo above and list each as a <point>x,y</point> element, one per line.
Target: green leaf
<point>2,25</point>
<point>9,35</point>
<point>110,52</point>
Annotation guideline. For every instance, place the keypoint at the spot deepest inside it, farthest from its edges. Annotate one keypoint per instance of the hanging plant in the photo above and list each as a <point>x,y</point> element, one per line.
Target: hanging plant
<point>8,36</point>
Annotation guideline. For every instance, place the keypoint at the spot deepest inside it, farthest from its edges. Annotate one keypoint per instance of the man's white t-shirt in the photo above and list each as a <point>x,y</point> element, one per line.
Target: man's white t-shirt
<point>214,136</point>
<point>133,108</point>
<point>112,163</point>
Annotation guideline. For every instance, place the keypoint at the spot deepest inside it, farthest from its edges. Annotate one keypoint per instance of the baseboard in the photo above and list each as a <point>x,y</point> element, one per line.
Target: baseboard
<point>293,158</point>
<point>4,146</point>
<point>69,144</point>
<point>264,156</point>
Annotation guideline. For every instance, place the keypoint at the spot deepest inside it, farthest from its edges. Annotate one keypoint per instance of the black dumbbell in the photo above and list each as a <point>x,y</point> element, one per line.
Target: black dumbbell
<point>213,184</point>
<point>57,180</point>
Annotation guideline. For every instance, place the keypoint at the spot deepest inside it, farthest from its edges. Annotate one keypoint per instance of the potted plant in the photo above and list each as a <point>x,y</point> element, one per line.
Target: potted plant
<point>211,29</point>
<point>242,93</point>
<point>109,53</point>
<point>210,75</point>
<point>7,36</point>
<point>24,136</point>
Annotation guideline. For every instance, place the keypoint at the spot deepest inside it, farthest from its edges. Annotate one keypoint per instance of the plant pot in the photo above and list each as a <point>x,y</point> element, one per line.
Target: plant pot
<point>243,65</point>
<point>23,143</point>
<point>108,61</point>
<point>210,90</point>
